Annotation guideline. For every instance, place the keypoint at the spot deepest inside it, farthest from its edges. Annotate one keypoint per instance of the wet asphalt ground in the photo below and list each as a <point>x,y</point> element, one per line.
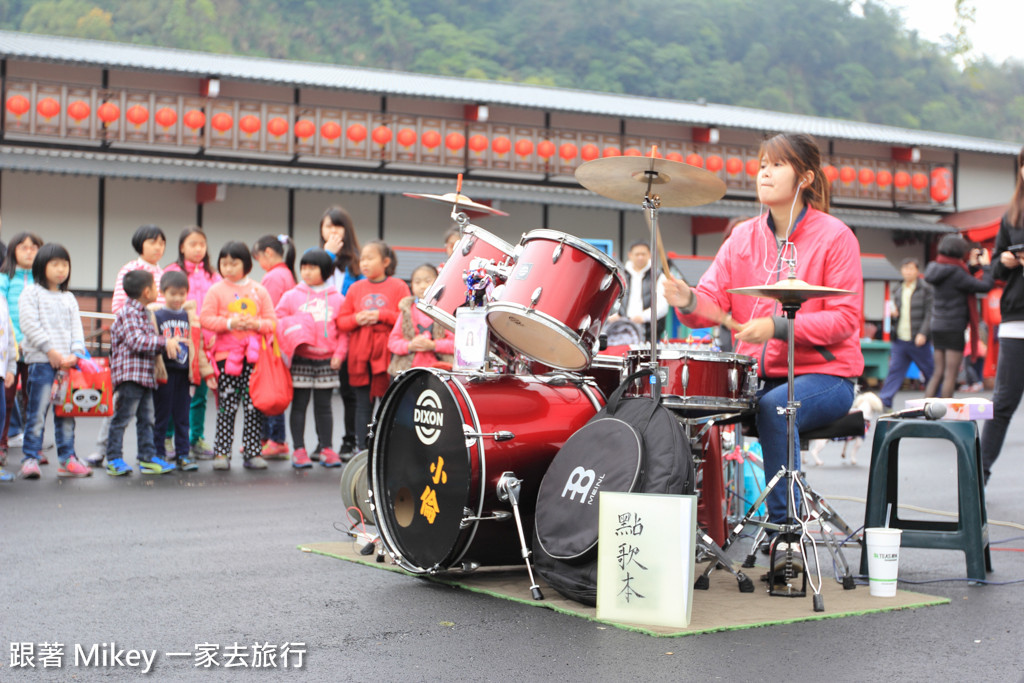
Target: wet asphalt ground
<point>182,563</point>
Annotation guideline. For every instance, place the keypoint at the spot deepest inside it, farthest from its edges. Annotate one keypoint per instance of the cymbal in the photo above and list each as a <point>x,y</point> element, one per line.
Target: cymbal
<point>625,179</point>
<point>790,290</point>
<point>462,200</point>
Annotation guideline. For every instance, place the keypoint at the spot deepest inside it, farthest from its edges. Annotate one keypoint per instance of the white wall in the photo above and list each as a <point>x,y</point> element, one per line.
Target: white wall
<point>984,180</point>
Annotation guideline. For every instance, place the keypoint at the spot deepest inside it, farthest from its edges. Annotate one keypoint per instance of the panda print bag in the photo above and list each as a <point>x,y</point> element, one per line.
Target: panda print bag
<point>84,390</point>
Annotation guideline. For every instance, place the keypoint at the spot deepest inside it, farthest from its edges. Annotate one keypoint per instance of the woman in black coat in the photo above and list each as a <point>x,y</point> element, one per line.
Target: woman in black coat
<point>955,308</point>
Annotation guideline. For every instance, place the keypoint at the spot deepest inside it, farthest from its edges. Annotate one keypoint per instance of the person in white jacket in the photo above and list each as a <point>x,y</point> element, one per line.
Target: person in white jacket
<point>636,300</point>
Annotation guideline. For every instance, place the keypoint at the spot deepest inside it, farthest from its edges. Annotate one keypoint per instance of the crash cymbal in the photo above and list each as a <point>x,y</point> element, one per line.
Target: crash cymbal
<point>790,290</point>
<point>462,200</point>
<point>625,179</point>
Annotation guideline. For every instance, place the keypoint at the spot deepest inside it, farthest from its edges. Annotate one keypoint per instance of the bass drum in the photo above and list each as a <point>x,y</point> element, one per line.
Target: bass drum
<point>441,442</point>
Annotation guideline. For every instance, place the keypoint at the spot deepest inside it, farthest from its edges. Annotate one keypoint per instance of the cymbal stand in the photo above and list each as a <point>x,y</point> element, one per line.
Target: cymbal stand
<point>651,204</point>
<point>508,489</point>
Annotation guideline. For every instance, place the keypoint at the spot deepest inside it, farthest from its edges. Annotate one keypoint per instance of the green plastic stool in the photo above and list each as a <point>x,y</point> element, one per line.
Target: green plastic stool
<point>970,532</point>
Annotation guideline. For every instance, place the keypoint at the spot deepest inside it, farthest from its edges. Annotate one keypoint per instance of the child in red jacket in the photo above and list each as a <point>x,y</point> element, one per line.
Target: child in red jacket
<point>369,312</point>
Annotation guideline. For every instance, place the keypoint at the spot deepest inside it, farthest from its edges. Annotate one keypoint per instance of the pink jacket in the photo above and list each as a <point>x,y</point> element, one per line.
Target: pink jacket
<point>278,280</point>
<point>826,329</point>
<point>120,297</point>
<point>228,298</point>
<point>322,305</point>
<point>422,323</point>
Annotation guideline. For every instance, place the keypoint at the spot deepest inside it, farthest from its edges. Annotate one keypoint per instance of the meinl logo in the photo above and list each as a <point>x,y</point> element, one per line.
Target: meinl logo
<point>427,417</point>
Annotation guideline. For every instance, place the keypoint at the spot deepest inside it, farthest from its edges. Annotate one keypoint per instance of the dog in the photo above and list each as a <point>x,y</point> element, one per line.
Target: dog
<point>869,404</point>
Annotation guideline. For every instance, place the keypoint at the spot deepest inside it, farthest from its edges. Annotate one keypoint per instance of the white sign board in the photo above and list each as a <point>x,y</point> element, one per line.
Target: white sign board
<point>470,338</point>
<point>645,557</point>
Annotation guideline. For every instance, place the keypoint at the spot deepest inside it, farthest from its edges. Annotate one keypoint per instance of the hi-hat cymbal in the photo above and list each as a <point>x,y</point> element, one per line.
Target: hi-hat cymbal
<point>790,290</point>
<point>626,179</point>
<point>462,200</point>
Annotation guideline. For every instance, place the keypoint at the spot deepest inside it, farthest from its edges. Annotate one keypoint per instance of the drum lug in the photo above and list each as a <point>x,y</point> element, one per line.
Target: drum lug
<point>557,253</point>
<point>468,246</point>
<point>498,436</point>
<point>535,297</point>
<point>606,281</point>
<point>497,516</point>
<point>584,325</point>
<point>437,295</point>
<point>734,380</point>
<point>684,377</point>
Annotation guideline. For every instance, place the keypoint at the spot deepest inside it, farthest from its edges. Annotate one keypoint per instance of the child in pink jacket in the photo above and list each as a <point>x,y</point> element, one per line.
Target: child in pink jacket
<point>416,340</point>
<point>308,324</point>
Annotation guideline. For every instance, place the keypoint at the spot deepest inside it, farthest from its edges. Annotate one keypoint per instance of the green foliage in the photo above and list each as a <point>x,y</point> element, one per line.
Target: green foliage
<point>814,57</point>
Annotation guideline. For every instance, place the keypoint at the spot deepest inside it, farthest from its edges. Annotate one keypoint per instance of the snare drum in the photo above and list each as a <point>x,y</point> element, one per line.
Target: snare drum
<point>448,292</point>
<point>441,442</point>
<point>700,381</point>
<point>556,298</point>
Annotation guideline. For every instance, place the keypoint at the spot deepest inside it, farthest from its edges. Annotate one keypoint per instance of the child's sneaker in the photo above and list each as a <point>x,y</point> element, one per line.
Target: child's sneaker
<point>329,458</point>
<point>29,469</point>
<point>222,462</point>
<point>95,459</point>
<point>201,450</point>
<point>156,466</point>
<point>118,468</point>
<point>348,446</point>
<point>300,459</point>
<point>187,464</point>
<point>254,463</point>
<point>5,476</point>
<point>73,468</point>
<point>272,450</point>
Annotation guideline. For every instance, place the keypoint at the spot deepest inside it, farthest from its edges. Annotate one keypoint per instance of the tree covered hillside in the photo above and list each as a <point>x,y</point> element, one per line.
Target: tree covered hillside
<point>815,57</point>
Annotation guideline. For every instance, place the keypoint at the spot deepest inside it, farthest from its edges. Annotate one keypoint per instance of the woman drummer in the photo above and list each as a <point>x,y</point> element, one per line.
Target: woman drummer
<point>828,359</point>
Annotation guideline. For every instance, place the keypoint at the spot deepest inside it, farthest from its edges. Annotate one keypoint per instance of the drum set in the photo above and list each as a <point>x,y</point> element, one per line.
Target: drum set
<point>455,457</point>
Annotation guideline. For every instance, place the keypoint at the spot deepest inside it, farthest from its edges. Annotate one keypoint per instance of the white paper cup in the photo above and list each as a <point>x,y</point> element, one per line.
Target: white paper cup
<point>883,549</point>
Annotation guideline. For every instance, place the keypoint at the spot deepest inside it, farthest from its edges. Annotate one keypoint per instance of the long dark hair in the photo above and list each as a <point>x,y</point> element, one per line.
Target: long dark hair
<point>11,263</point>
<point>281,245</point>
<point>185,234</point>
<point>802,153</point>
<point>51,251</point>
<point>348,257</point>
<point>1015,213</point>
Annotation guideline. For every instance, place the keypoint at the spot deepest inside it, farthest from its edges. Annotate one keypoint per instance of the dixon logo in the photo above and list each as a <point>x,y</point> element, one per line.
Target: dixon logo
<point>580,481</point>
<point>428,417</point>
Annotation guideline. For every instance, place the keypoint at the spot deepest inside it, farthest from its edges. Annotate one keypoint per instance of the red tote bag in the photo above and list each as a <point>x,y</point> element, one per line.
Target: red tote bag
<point>270,386</point>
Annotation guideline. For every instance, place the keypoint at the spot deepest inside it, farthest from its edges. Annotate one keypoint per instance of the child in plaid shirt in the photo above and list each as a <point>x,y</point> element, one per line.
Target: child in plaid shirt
<point>135,344</point>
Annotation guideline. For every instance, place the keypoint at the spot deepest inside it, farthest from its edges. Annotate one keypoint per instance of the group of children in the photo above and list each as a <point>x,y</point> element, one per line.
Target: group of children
<point>184,331</point>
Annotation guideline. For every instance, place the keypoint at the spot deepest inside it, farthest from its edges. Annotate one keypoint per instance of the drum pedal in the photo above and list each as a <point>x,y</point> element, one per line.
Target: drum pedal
<point>508,490</point>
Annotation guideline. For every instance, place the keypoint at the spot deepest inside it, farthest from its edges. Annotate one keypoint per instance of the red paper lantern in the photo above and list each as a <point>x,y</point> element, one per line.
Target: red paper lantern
<point>108,112</point>
<point>524,147</point>
<point>674,156</point>
<point>831,173</point>
<point>222,122</point>
<point>589,152</point>
<point>883,178</point>
<point>166,117</point>
<point>431,139</point>
<point>478,143</point>
<point>866,176</point>
<point>18,104</point>
<point>901,179</point>
<point>194,119</point>
<point>356,133</point>
<point>694,159</point>
<point>501,145</point>
<point>545,149</point>
<point>48,107</point>
<point>919,181</point>
<point>611,152</point>
<point>714,163</point>
<point>567,151</point>
<point>454,141</point>
<point>733,166</point>
<point>942,184</point>
<point>78,110</point>
<point>847,174</point>
<point>277,126</point>
<point>381,135</point>
<point>304,128</point>
<point>632,152</point>
<point>753,167</point>
<point>331,130</point>
<point>249,124</point>
<point>137,115</point>
<point>406,137</point>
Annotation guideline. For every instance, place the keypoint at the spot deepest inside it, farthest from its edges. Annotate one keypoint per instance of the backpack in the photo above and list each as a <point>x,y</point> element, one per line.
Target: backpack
<point>631,445</point>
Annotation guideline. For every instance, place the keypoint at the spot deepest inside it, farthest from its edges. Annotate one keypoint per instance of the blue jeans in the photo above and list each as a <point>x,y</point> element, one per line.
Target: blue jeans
<point>899,360</point>
<point>132,400</point>
<point>273,428</point>
<point>40,384</point>
<point>823,399</point>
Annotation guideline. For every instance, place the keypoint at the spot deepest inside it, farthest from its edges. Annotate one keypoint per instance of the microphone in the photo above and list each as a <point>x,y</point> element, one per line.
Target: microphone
<point>931,410</point>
